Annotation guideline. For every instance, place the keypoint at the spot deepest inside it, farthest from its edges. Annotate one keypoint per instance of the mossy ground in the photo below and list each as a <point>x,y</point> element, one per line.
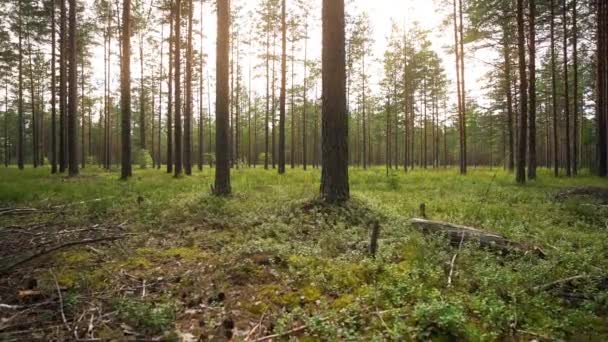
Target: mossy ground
<point>272,254</point>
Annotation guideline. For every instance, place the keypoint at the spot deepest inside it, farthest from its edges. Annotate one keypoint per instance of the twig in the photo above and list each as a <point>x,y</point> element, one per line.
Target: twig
<point>454,261</point>
<point>17,211</point>
<point>287,333</point>
<point>254,329</point>
<point>10,307</point>
<point>65,321</point>
<point>56,248</point>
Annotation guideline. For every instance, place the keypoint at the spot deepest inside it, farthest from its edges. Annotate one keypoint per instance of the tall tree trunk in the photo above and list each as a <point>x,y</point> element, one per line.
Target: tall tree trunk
<point>283,89</point>
<point>21,120</point>
<point>7,152</point>
<point>125,90</point>
<point>458,84</point>
<point>266,132</point>
<point>53,95</point>
<point>554,93</point>
<point>523,95</point>
<point>575,147</point>
<point>142,96</point>
<point>305,92</point>
<point>532,91</point>
<point>34,124</point>
<point>170,92</point>
<point>566,90</point>
<point>188,114</point>
<point>292,146</point>
<point>363,107</point>
<point>82,115</point>
<point>201,120</point>
<point>334,176</point>
<point>602,86</point>
<point>160,97</point>
<point>463,93</point>
<point>73,101</point>
<point>222,110</point>
<point>273,99</point>
<point>178,91</point>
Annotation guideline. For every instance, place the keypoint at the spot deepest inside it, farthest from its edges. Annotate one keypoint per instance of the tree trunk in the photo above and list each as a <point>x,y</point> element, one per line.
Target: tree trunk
<point>575,154</point>
<point>458,85</point>
<point>125,91</point>
<point>222,170</point>
<point>463,93</point>
<point>566,90</point>
<point>532,91</point>
<point>283,89</point>
<point>188,114</point>
<point>602,86</point>
<point>334,177</point>
<point>305,92</point>
<point>178,91</point>
<point>554,93</point>
<point>142,97</point>
<point>73,94</point>
<point>53,96</point>
<point>170,93</point>
<point>523,95</point>
<point>21,121</point>
<point>201,117</point>
<point>160,97</point>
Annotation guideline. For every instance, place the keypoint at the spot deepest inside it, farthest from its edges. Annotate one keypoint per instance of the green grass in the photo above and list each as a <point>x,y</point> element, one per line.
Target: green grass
<point>271,253</point>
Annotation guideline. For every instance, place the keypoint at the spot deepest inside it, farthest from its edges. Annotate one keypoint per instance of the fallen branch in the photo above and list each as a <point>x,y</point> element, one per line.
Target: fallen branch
<point>56,248</point>
<point>65,321</point>
<point>17,211</point>
<point>600,194</point>
<point>287,333</point>
<point>457,233</point>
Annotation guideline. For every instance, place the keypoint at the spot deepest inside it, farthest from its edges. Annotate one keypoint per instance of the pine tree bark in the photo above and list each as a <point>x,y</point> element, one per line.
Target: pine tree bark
<point>178,91</point>
<point>523,95</point>
<point>125,91</point>
<point>201,118</point>
<point>222,106</point>
<point>73,95</point>
<point>304,108</point>
<point>21,120</point>
<point>188,114</point>
<point>170,93</point>
<point>463,93</point>
<point>53,94</point>
<point>575,149</point>
<point>458,84</point>
<point>602,86</point>
<point>566,90</point>
<point>334,176</point>
<point>554,93</point>
<point>532,90</point>
<point>283,89</point>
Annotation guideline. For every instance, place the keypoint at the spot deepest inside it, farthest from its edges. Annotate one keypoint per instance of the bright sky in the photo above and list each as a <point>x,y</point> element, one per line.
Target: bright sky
<point>429,14</point>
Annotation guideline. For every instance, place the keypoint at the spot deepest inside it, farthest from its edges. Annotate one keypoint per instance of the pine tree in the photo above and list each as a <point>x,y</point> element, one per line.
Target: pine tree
<point>125,91</point>
<point>334,176</point>
<point>222,171</point>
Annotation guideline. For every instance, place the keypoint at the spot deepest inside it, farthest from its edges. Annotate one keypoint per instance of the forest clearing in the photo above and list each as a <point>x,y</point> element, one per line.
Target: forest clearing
<point>303,170</point>
<point>273,258</point>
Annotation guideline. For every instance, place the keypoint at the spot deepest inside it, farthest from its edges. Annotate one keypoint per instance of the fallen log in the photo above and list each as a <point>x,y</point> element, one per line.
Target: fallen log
<point>9,268</point>
<point>599,194</point>
<point>458,234</point>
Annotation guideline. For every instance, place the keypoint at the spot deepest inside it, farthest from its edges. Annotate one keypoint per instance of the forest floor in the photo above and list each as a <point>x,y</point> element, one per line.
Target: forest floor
<point>159,258</point>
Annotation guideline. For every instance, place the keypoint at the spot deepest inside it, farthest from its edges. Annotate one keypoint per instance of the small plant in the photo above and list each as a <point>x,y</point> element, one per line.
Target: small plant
<point>144,159</point>
<point>439,319</point>
<point>152,318</point>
